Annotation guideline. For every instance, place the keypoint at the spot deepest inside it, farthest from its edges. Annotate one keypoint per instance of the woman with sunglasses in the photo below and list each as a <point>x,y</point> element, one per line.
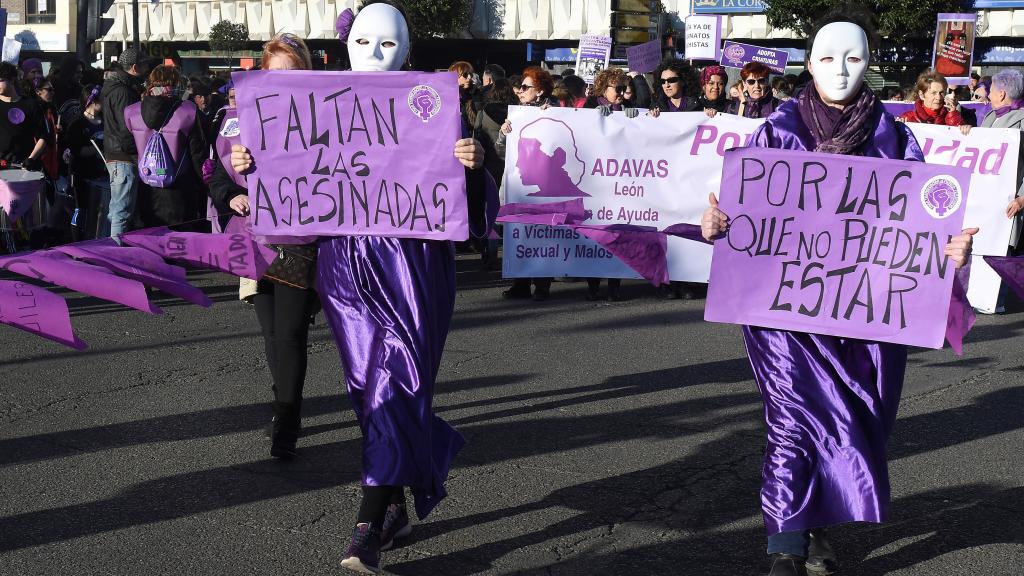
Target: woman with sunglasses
<point>535,89</point>
<point>675,85</point>
<point>470,98</point>
<point>758,100</point>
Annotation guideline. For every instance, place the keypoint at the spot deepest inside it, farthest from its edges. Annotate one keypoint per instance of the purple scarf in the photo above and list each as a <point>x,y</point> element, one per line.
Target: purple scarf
<point>1004,110</point>
<point>838,131</point>
<point>601,100</point>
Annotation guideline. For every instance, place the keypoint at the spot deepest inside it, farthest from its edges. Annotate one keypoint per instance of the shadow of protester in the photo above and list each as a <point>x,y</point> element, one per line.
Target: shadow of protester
<point>184,495</point>
<point>939,522</point>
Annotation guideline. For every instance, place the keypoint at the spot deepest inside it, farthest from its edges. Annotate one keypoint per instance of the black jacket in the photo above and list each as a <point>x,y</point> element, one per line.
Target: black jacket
<point>119,92</point>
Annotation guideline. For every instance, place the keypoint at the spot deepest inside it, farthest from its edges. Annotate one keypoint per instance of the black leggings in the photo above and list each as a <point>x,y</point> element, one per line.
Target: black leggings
<point>285,314</point>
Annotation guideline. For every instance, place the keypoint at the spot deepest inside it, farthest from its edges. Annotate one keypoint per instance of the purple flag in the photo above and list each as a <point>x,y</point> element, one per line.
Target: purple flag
<point>58,268</point>
<point>342,153</point>
<point>1011,270</point>
<point>138,264</point>
<point>961,316</point>
<point>37,310</point>
<point>645,250</point>
<point>837,245</point>
<point>550,213</point>
<point>236,253</point>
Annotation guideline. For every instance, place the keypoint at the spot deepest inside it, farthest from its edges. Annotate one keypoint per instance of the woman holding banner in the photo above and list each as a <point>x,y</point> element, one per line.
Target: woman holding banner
<point>757,101</point>
<point>830,403</point>
<point>389,303</point>
<point>712,90</point>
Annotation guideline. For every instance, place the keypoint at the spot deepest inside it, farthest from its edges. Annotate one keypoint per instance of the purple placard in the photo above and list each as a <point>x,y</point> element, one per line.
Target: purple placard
<point>38,311</point>
<point>3,22</point>
<point>735,55</point>
<point>644,58</point>
<point>838,245</point>
<point>348,153</point>
<point>896,108</point>
<point>592,56</point>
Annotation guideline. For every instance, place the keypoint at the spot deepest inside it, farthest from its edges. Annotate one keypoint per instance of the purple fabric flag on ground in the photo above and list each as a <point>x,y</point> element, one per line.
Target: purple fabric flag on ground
<point>237,254</point>
<point>138,264</point>
<point>58,268</point>
<point>1011,270</point>
<point>837,245</point>
<point>38,311</point>
<point>353,153</point>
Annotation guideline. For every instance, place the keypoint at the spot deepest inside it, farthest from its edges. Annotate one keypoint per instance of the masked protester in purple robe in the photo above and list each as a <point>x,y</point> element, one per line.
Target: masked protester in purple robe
<point>389,304</point>
<point>829,403</point>
<point>759,101</point>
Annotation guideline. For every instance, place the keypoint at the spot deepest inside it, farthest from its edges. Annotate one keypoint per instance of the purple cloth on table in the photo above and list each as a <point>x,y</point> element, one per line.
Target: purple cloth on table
<point>389,304</point>
<point>829,402</point>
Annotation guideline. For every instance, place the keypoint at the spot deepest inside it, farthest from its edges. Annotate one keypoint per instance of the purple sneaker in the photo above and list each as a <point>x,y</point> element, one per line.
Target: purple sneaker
<point>363,554</point>
<point>396,525</point>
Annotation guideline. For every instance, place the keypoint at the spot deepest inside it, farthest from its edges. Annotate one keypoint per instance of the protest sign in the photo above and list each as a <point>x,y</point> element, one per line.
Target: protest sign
<point>954,47</point>
<point>642,171</point>
<point>592,56</point>
<point>644,58</point>
<point>991,154</point>
<point>735,55</point>
<point>37,311</point>
<point>840,245</point>
<point>11,51</point>
<point>703,38</point>
<point>347,153</point>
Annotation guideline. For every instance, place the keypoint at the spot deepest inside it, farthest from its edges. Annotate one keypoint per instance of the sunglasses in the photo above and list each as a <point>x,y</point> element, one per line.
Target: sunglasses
<point>976,96</point>
<point>752,81</point>
<point>620,89</point>
<point>466,75</point>
<point>672,80</point>
<point>527,87</point>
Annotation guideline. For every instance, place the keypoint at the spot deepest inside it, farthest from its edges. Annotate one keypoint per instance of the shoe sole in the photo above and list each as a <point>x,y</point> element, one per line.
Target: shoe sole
<point>404,532</point>
<point>354,564</point>
<point>820,570</point>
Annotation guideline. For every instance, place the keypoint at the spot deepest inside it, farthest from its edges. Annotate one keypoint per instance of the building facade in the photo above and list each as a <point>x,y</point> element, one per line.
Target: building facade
<point>42,25</point>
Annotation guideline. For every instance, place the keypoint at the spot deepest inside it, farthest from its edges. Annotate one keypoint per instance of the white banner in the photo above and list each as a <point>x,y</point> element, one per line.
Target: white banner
<point>646,171</point>
<point>992,155</point>
<point>659,172</point>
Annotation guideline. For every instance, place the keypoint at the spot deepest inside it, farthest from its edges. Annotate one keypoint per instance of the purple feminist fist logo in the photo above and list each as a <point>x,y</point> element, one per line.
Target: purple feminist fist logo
<point>424,102</point>
<point>16,116</point>
<point>549,159</point>
<point>735,53</point>
<point>941,196</point>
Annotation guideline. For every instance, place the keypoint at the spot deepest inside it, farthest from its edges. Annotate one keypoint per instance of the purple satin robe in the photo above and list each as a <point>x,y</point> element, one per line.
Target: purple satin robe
<point>829,403</point>
<point>389,304</point>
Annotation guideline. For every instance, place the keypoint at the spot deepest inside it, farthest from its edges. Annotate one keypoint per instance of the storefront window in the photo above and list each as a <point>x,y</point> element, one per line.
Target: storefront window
<point>40,11</point>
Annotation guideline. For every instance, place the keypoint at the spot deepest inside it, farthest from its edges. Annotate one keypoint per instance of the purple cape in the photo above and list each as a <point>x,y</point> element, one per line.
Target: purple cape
<point>389,304</point>
<point>829,402</point>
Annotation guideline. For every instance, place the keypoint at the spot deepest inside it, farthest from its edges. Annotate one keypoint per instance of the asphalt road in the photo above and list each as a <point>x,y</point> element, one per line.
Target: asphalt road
<point>604,438</point>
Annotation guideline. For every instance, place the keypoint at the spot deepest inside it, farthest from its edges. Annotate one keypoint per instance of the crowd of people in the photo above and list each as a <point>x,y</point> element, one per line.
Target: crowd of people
<point>144,146</point>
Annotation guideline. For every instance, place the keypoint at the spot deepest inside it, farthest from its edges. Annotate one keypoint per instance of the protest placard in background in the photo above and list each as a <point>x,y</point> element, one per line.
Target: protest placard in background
<point>840,245</point>
<point>954,47</point>
<point>736,54</point>
<point>347,153</point>
<point>592,56</point>
<point>642,171</point>
<point>644,58</point>
<point>703,37</point>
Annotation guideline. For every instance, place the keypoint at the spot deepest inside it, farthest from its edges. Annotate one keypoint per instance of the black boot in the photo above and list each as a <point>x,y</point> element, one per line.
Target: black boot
<point>788,565</point>
<point>286,431</point>
<point>821,559</point>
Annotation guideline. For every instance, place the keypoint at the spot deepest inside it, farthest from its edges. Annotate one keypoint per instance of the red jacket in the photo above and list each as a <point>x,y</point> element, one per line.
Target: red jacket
<point>943,116</point>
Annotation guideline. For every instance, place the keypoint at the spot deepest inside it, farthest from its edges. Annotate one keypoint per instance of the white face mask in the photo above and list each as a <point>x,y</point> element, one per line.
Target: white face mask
<point>839,61</point>
<point>379,40</point>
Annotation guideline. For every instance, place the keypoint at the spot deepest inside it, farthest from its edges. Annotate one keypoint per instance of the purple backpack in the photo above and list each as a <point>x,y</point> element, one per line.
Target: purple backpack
<point>157,167</point>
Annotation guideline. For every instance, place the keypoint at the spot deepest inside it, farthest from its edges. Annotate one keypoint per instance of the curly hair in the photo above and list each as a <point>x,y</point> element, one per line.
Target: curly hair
<point>689,83</point>
<point>164,75</point>
<point>541,79</point>
<point>608,77</point>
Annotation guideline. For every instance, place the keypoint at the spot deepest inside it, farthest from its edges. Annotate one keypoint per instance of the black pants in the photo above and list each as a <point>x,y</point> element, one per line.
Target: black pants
<point>285,314</point>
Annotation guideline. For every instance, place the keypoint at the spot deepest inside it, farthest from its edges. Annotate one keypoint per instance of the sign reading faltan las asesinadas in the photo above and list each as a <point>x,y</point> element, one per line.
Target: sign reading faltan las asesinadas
<point>838,245</point>
<point>347,153</point>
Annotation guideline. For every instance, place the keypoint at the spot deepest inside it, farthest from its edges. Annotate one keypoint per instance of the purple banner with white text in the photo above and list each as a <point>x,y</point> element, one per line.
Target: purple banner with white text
<point>844,246</point>
<point>346,153</point>
<point>736,54</point>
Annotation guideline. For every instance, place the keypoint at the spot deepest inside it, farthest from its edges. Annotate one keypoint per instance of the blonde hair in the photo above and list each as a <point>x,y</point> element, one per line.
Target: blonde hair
<point>288,46</point>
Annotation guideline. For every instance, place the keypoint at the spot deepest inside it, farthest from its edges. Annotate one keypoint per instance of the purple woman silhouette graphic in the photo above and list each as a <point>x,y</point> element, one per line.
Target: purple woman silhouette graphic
<point>544,163</point>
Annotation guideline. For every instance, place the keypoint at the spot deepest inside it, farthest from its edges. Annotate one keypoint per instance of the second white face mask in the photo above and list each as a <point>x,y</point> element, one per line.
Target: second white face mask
<point>839,60</point>
<point>379,40</point>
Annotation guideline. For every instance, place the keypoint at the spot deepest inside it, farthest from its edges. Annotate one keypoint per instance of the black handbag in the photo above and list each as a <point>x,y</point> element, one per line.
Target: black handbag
<point>295,265</point>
